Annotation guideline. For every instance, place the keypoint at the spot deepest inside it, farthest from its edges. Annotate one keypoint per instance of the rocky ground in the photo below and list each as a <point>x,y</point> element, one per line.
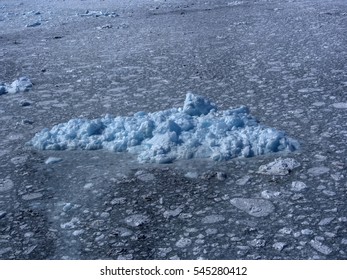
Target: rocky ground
<point>286,60</point>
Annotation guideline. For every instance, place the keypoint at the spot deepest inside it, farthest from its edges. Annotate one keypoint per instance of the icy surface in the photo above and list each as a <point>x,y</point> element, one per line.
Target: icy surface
<point>21,85</point>
<point>198,130</point>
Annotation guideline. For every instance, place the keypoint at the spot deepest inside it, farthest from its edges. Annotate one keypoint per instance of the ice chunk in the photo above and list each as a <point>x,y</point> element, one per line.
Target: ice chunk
<point>21,85</point>
<point>253,206</point>
<point>198,130</point>
<point>279,167</point>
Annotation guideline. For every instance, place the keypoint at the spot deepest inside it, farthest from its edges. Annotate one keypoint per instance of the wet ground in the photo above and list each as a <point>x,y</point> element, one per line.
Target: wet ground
<point>286,60</point>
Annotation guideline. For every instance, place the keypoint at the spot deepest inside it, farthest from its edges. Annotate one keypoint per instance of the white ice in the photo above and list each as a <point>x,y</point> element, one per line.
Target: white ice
<point>21,85</point>
<point>198,130</point>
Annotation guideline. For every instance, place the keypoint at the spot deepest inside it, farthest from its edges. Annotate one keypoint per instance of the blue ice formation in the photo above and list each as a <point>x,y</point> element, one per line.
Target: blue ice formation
<point>21,85</point>
<point>198,130</point>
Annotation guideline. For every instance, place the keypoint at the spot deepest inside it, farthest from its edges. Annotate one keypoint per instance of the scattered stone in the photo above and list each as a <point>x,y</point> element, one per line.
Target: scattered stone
<point>329,193</point>
<point>253,206</point>
<point>183,242</point>
<point>298,186</point>
<point>317,171</point>
<point>212,219</point>
<point>279,167</point>
<point>31,196</point>
<point>317,245</point>
<point>6,185</point>
<point>344,241</point>
<point>136,220</point>
<point>52,160</point>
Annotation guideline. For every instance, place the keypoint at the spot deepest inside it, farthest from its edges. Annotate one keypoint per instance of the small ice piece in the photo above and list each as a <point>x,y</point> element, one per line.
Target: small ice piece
<point>340,105</point>
<point>22,84</point>
<point>71,224</point>
<point>198,130</point>
<point>37,23</point>
<point>6,185</point>
<point>32,196</point>
<point>242,181</point>
<point>279,167</point>
<point>326,221</point>
<point>212,219</point>
<point>136,220</point>
<point>52,160</point>
<point>317,171</point>
<point>183,242</point>
<point>269,194</point>
<point>279,246</point>
<point>191,175</point>
<point>196,105</point>
<point>320,247</point>
<point>298,186</point>
<point>172,213</point>
<point>253,206</point>
<point>78,232</point>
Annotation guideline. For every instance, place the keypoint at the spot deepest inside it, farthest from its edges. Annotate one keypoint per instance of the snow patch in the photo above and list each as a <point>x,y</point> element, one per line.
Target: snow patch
<point>198,130</point>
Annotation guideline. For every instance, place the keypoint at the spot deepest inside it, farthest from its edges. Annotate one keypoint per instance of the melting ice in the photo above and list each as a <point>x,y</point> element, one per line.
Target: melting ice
<point>198,130</point>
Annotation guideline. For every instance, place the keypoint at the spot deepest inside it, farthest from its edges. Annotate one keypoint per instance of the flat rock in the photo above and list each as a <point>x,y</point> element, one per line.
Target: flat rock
<point>212,219</point>
<point>6,185</point>
<point>52,160</point>
<point>32,196</point>
<point>253,206</point>
<point>298,186</point>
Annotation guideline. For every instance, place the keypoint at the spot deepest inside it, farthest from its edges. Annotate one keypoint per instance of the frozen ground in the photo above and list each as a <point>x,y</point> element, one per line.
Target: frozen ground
<point>285,60</point>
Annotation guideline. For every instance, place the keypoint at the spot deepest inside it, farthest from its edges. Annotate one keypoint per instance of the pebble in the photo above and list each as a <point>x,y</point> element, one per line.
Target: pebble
<point>88,186</point>
<point>191,175</point>
<point>25,103</point>
<point>253,206</point>
<point>340,105</point>
<point>78,232</point>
